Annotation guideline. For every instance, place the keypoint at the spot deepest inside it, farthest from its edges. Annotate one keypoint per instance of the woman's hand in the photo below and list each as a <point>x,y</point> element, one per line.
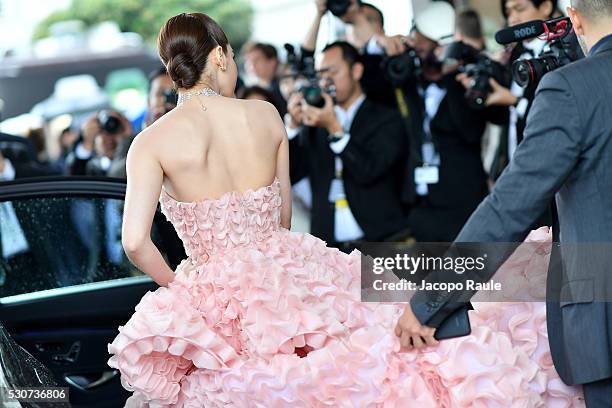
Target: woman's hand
<point>412,333</point>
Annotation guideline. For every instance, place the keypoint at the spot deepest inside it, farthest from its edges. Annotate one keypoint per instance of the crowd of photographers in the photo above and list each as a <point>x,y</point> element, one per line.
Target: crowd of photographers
<point>386,132</point>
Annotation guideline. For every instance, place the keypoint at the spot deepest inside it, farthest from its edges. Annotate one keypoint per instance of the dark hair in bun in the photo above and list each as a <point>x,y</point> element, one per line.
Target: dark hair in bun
<point>184,43</point>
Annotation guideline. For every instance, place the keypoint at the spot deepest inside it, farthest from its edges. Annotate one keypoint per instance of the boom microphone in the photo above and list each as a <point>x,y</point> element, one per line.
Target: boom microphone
<point>520,32</point>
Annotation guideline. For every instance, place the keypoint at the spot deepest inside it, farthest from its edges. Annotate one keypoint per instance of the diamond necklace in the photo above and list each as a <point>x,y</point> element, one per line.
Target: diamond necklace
<point>185,96</point>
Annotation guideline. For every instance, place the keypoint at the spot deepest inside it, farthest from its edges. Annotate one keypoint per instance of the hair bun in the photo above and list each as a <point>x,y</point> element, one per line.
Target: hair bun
<point>183,70</point>
<point>184,43</point>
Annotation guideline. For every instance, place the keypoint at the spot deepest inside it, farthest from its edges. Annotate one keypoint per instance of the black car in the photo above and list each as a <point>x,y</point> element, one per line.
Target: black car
<point>65,282</point>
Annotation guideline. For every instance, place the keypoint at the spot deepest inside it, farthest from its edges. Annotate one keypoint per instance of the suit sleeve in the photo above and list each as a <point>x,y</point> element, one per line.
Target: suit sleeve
<point>370,157</point>
<point>540,166</point>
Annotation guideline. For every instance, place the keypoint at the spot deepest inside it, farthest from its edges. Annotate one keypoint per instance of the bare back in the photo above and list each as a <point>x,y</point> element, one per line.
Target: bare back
<point>233,145</point>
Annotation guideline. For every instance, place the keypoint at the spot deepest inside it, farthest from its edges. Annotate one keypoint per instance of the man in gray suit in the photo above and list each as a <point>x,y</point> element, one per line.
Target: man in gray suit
<point>567,152</point>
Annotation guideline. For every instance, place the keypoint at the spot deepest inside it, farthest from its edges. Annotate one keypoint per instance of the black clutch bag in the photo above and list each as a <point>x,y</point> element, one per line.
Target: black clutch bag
<point>455,325</point>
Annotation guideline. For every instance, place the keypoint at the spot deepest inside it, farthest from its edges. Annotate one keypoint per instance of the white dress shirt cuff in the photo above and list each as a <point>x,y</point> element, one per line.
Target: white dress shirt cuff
<point>82,153</point>
<point>339,146</point>
<point>8,173</point>
<point>372,47</point>
<point>293,132</point>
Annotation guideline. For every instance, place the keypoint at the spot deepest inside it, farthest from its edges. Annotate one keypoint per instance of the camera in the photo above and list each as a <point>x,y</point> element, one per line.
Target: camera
<point>402,68</point>
<point>563,48</point>
<point>529,73</point>
<point>109,123</point>
<point>338,7</point>
<point>479,68</point>
<point>307,78</point>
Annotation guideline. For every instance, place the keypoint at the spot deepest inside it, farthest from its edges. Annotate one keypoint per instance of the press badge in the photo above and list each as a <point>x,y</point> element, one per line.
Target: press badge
<point>426,175</point>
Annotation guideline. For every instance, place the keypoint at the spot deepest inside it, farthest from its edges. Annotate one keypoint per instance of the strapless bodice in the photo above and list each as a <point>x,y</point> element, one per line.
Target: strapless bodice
<point>235,219</point>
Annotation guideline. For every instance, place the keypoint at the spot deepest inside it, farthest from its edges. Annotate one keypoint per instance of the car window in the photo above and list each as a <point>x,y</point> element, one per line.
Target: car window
<point>57,242</point>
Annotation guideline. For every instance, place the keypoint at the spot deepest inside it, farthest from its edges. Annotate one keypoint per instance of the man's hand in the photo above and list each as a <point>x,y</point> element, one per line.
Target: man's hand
<point>412,333</point>
<point>91,128</point>
<point>501,96</point>
<point>294,107</point>
<point>321,7</point>
<point>393,45</point>
<point>324,117</point>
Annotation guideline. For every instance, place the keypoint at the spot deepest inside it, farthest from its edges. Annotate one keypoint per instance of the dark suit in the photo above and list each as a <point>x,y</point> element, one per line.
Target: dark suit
<point>567,152</point>
<point>457,133</point>
<point>370,170</point>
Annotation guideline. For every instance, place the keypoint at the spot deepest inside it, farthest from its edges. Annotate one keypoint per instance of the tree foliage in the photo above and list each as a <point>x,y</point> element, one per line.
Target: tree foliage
<point>146,17</point>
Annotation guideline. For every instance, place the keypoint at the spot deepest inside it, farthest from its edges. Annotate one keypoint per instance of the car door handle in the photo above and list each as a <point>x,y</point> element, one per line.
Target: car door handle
<point>85,383</point>
<point>69,357</point>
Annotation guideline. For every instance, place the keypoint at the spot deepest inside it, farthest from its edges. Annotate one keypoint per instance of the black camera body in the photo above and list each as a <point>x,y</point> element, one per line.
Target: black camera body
<point>479,68</point>
<point>403,68</point>
<point>338,7</point>
<point>303,69</point>
<point>109,123</point>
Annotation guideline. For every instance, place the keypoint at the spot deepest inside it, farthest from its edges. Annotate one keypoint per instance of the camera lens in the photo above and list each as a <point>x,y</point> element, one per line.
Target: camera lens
<point>313,96</point>
<point>523,73</point>
<point>401,68</point>
<point>109,123</point>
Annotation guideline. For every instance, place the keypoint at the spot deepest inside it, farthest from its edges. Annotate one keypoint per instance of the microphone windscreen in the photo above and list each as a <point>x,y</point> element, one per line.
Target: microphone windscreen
<point>520,32</point>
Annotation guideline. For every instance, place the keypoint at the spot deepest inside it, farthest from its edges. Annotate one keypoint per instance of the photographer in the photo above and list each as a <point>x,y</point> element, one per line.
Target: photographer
<point>261,63</point>
<point>350,152</point>
<point>445,179</point>
<point>102,136</point>
<point>162,99</point>
<point>519,100</point>
<point>162,95</point>
<point>366,33</point>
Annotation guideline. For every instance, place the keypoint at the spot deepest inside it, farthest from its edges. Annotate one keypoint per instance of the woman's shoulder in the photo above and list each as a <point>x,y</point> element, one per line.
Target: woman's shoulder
<point>156,136</point>
<point>258,107</point>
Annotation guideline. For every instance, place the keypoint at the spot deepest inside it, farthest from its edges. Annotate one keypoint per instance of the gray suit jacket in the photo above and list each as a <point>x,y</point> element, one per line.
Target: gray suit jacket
<point>567,153</point>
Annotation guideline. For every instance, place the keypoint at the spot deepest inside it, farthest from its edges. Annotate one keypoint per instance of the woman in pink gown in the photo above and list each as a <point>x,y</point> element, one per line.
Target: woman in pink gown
<point>257,316</point>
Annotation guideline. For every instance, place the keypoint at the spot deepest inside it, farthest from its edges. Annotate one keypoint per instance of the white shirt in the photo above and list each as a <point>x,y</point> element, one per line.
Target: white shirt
<point>433,95</point>
<point>346,227</point>
<point>537,46</point>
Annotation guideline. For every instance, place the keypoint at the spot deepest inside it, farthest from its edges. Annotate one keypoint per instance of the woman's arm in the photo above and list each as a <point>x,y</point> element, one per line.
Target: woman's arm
<point>144,181</point>
<point>282,164</point>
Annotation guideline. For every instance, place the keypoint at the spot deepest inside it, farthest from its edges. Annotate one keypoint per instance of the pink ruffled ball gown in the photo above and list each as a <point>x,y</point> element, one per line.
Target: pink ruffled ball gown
<point>258,316</point>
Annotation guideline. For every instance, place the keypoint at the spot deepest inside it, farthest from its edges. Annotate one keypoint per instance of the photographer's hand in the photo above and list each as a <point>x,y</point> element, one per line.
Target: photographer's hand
<point>90,129</point>
<point>393,45</point>
<point>500,96</point>
<point>321,7</point>
<point>324,117</point>
<point>294,107</point>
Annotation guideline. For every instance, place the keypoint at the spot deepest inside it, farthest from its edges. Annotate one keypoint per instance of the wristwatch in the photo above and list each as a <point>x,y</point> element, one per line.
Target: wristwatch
<point>334,137</point>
